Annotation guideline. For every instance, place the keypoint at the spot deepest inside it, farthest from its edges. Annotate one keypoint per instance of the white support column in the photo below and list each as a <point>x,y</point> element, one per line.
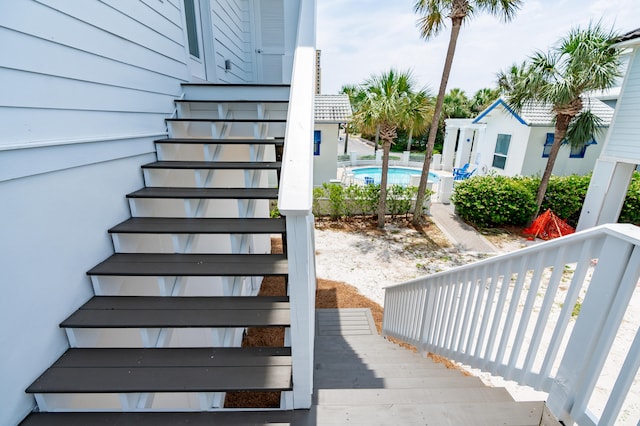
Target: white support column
<point>302,287</point>
<point>606,193</point>
<point>465,142</point>
<point>448,149</point>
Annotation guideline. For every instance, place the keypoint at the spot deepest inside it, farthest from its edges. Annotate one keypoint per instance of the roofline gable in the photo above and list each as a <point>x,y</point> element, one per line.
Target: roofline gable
<point>493,106</point>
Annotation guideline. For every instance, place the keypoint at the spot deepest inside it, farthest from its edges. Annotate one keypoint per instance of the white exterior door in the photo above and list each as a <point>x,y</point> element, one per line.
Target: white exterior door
<point>194,44</point>
<point>269,40</point>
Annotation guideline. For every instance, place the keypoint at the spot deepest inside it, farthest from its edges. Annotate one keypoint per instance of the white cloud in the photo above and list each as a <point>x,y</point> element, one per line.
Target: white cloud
<point>359,38</point>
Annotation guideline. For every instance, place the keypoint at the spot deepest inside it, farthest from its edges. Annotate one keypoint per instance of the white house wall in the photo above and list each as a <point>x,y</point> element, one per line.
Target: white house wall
<point>74,71</point>
<point>534,164</point>
<point>86,87</point>
<point>499,122</point>
<point>53,230</point>
<point>623,140</point>
<point>325,166</point>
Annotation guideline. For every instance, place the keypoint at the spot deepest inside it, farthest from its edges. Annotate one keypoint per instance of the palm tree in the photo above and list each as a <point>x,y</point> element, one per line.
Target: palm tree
<point>434,14</point>
<point>482,99</point>
<point>456,104</point>
<point>416,114</point>
<point>562,78</point>
<point>381,112</point>
<point>356,96</point>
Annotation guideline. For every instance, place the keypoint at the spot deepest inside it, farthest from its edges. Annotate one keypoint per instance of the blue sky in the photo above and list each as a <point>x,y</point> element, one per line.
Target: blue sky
<point>359,38</point>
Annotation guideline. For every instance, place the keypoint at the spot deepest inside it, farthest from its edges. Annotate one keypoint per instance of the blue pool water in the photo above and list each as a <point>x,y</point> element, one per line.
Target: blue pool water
<point>396,176</point>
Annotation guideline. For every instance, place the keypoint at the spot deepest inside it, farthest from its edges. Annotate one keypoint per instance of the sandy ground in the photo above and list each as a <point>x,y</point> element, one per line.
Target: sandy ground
<point>369,260</point>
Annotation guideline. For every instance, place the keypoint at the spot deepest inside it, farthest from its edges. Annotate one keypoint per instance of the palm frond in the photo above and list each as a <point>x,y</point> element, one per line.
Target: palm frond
<point>583,128</point>
<point>505,10</point>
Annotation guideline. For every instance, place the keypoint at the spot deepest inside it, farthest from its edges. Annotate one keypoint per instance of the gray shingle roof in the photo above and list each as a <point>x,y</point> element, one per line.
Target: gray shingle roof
<point>332,109</point>
<point>540,114</point>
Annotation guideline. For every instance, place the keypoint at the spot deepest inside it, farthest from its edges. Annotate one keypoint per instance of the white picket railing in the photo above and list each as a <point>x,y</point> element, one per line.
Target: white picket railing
<point>516,316</point>
<point>294,202</point>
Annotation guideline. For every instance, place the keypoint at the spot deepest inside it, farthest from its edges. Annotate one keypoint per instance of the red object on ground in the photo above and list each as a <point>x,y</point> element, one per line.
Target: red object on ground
<point>548,226</point>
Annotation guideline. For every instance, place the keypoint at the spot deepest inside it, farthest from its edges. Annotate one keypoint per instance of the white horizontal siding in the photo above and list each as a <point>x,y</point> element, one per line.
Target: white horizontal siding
<point>42,126</point>
<point>81,71</point>
<point>54,59</point>
<point>70,94</point>
<point>114,22</point>
<point>42,21</point>
<point>624,137</point>
<point>166,19</point>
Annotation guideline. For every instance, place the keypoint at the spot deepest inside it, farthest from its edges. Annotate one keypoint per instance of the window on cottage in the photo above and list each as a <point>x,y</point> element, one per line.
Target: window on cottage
<point>578,151</point>
<point>547,145</point>
<point>316,142</point>
<point>501,151</point>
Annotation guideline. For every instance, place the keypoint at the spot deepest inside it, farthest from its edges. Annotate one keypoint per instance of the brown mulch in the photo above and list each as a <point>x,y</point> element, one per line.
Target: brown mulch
<point>329,294</point>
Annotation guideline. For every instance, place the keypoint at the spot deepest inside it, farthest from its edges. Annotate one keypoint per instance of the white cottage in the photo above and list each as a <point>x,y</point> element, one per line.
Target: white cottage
<point>621,152</point>
<point>331,111</point>
<point>505,142</point>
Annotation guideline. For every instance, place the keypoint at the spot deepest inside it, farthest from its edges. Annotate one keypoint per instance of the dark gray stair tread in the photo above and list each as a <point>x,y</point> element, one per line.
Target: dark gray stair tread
<point>215,165</point>
<point>207,193</point>
<point>109,370</point>
<point>276,141</point>
<point>154,265</point>
<point>226,120</point>
<point>159,312</point>
<point>229,418</point>
<point>161,225</point>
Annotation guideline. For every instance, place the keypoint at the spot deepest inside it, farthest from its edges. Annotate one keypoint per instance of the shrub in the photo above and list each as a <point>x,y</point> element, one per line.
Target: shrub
<point>631,209</point>
<point>359,199</point>
<point>399,199</point>
<point>363,199</point>
<point>565,196</point>
<point>494,201</point>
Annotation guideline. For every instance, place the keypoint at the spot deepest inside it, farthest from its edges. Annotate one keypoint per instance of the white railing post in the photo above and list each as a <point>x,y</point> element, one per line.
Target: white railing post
<point>294,202</point>
<point>584,356</point>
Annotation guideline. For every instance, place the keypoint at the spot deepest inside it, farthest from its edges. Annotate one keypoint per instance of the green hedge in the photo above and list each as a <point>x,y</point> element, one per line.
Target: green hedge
<point>497,200</point>
<point>631,208</point>
<point>336,200</point>
<point>493,201</point>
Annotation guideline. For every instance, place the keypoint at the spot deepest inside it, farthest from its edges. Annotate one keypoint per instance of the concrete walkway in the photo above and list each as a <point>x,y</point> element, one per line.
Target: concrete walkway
<point>460,234</point>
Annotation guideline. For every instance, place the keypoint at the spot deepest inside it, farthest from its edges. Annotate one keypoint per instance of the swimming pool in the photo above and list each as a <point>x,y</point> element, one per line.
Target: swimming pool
<point>396,176</point>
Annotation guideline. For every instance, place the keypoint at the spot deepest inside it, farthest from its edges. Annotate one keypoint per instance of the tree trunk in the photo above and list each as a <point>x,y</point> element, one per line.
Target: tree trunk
<point>346,137</point>
<point>433,130</point>
<point>410,139</point>
<point>560,131</point>
<point>382,203</point>
<point>377,140</point>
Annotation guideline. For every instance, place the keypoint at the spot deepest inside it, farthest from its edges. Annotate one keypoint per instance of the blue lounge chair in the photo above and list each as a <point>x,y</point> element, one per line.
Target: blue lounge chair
<point>463,172</point>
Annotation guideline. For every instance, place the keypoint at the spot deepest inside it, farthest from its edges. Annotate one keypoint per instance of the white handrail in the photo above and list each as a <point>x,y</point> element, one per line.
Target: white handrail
<point>294,202</point>
<point>516,316</point>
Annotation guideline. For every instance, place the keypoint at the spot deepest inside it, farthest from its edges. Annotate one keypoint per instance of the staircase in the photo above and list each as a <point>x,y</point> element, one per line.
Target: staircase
<point>164,329</point>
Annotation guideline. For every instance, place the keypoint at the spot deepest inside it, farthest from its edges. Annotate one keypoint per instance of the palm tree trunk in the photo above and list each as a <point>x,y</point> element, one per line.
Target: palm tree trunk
<point>410,139</point>
<point>346,137</point>
<point>382,203</point>
<point>562,124</point>
<point>433,130</point>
